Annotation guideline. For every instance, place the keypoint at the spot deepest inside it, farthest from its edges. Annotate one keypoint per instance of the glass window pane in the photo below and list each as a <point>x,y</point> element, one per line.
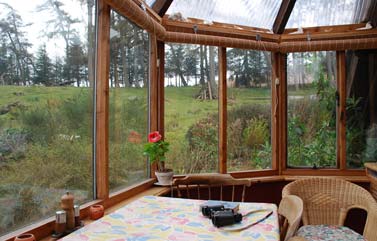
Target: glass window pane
<point>150,2</point>
<point>46,108</point>
<point>311,13</point>
<point>129,51</point>
<point>361,108</point>
<point>256,13</point>
<point>191,108</point>
<point>249,110</point>
<point>311,109</point>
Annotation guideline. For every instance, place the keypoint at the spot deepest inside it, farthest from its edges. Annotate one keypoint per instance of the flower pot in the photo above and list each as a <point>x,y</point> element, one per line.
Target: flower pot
<point>96,212</point>
<point>164,178</point>
<point>25,237</point>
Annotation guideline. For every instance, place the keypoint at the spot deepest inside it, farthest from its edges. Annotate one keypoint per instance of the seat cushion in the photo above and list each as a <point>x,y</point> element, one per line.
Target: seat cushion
<point>328,233</point>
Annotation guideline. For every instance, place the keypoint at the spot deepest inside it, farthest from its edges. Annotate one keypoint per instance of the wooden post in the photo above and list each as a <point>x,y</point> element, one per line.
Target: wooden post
<point>279,111</point>
<point>153,89</point>
<point>341,110</point>
<point>275,107</point>
<point>102,101</point>
<point>161,86</point>
<point>222,111</point>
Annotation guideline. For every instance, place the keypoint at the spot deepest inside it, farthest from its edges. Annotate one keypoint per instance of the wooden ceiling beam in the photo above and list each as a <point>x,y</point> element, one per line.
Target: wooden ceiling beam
<point>281,19</point>
<point>161,6</point>
<point>215,29</point>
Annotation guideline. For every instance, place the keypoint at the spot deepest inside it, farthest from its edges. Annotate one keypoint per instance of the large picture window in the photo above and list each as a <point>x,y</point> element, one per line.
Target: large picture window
<point>191,108</point>
<point>311,84</point>
<point>46,107</point>
<point>249,110</point>
<point>129,52</point>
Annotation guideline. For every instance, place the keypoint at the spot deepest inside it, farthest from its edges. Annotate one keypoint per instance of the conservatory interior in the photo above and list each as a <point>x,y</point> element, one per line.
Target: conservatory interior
<point>268,103</point>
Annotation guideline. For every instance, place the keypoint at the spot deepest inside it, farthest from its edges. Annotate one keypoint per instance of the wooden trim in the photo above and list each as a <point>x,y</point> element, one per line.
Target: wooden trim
<point>326,29</point>
<point>161,6</point>
<point>357,179</point>
<point>329,45</point>
<point>216,25</point>
<point>341,110</point>
<point>161,86</point>
<point>222,111</point>
<point>102,101</point>
<point>323,172</point>
<point>253,173</point>
<point>153,90</point>
<point>128,192</point>
<point>221,30</point>
<point>320,36</point>
<point>281,19</point>
<point>177,37</point>
<point>134,13</point>
<point>276,109</point>
<point>283,113</point>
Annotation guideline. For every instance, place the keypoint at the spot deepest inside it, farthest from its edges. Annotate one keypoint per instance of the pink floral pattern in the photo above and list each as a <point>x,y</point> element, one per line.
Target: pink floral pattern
<point>328,233</point>
<point>163,218</point>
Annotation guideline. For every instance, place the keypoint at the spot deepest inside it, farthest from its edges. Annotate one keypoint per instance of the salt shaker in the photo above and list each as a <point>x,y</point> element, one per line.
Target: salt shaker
<point>60,222</point>
<point>77,215</point>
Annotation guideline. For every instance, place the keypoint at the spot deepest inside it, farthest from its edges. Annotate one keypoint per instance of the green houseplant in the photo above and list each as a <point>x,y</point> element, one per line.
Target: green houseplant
<point>155,149</point>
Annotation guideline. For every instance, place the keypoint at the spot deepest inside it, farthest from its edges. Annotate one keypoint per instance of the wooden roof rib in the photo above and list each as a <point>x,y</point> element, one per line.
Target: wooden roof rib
<point>284,13</point>
<point>339,37</point>
<point>161,6</point>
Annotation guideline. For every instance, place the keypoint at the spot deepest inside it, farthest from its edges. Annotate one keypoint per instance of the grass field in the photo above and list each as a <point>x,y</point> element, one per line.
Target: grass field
<point>46,141</point>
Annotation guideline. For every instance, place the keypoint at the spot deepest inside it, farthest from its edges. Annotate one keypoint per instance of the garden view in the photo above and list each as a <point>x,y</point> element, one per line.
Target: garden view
<point>46,109</point>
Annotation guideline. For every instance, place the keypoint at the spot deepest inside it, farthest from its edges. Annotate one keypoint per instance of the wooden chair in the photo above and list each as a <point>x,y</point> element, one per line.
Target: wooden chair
<point>215,184</point>
<point>328,200</point>
<point>290,212</point>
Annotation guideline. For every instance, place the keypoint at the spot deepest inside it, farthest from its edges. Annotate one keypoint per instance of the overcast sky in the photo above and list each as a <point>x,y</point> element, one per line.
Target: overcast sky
<point>35,33</point>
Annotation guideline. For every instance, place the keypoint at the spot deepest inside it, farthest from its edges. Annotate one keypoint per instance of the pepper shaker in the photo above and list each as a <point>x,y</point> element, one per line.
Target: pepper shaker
<point>67,205</point>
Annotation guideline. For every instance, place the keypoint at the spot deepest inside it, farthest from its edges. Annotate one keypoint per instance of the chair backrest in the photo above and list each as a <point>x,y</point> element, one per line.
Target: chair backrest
<point>290,208</point>
<point>212,183</point>
<point>328,200</point>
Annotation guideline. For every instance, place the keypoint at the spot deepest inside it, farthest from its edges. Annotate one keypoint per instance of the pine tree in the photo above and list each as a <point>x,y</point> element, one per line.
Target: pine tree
<point>43,68</point>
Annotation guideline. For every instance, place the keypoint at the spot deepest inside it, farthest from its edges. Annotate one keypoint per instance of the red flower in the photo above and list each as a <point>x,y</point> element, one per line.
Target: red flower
<point>154,136</point>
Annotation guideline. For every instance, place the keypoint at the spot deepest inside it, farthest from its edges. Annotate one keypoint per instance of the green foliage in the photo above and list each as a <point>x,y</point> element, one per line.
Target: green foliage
<point>256,132</point>
<point>156,152</point>
<point>201,153</point>
<point>249,128</point>
<point>312,127</point>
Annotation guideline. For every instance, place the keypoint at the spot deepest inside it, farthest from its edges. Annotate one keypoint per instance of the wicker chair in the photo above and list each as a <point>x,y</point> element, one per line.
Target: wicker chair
<point>216,184</point>
<point>328,200</point>
<point>290,209</point>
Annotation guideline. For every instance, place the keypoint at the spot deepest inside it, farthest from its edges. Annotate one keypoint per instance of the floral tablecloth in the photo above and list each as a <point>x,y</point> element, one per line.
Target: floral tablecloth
<point>163,218</point>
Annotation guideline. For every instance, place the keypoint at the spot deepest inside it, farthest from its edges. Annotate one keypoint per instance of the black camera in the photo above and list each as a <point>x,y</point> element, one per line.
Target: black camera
<point>225,217</point>
<point>207,210</point>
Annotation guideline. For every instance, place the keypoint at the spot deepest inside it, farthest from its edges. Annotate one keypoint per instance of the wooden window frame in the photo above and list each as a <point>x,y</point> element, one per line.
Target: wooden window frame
<point>279,170</point>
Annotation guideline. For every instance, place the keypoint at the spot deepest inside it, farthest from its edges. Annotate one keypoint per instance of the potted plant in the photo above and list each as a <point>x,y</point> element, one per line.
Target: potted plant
<point>155,149</point>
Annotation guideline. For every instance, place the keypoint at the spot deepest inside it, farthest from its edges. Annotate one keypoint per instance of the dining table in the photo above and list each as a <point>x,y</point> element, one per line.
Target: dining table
<point>165,218</point>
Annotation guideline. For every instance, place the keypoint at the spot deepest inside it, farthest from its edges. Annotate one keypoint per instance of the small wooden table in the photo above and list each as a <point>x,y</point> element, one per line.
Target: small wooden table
<point>164,218</point>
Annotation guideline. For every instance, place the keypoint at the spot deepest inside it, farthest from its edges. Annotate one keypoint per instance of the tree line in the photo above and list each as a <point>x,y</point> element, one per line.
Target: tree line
<point>186,65</point>
<point>19,66</point>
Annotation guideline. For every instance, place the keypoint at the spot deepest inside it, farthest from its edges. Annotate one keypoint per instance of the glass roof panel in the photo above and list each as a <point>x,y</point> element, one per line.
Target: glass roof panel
<point>150,2</point>
<point>311,13</point>
<point>253,13</point>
